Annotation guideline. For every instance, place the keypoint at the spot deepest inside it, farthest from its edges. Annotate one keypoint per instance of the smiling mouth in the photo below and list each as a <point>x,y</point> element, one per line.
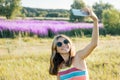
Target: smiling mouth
<point>65,49</point>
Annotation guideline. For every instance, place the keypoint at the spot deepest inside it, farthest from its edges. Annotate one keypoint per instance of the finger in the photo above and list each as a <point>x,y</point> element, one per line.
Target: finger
<point>86,9</point>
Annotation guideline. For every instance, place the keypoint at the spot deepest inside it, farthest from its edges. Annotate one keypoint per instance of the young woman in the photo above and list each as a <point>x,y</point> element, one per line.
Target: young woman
<point>67,64</point>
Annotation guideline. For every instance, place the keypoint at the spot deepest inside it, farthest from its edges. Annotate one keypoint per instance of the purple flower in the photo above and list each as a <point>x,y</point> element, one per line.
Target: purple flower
<point>42,27</point>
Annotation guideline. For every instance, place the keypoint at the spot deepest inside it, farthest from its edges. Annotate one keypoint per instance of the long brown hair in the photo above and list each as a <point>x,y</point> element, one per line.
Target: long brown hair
<point>56,58</point>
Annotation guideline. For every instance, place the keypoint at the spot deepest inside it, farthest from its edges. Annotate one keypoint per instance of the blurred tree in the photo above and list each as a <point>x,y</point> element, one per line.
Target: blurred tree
<point>77,4</point>
<point>111,21</point>
<point>52,14</point>
<point>43,13</point>
<point>2,7</point>
<point>10,8</point>
<point>24,11</point>
<point>100,7</point>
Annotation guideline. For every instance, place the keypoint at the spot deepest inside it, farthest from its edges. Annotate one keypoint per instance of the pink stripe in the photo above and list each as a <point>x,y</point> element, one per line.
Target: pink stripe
<point>78,78</point>
<point>68,71</point>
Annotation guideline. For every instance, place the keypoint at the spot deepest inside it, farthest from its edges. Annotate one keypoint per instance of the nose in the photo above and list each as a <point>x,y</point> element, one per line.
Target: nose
<point>63,45</point>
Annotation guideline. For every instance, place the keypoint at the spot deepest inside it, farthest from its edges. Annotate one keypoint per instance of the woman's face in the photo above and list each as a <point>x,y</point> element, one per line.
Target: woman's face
<point>63,45</point>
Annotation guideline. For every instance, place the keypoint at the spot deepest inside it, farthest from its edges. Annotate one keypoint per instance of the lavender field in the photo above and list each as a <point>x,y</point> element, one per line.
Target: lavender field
<point>41,28</point>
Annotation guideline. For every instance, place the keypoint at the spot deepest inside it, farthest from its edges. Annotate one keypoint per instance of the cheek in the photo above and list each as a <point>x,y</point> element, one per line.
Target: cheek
<point>58,49</point>
<point>69,46</point>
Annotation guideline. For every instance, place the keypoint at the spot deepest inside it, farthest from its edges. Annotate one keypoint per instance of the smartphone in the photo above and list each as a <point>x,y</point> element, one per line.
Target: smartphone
<point>79,12</point>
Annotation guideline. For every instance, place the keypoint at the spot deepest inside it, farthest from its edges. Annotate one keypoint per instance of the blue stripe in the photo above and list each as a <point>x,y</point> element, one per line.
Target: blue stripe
<point>72,74</point>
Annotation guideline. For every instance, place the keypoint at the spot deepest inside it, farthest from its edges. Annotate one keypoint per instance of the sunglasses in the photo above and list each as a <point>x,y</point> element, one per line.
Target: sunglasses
<point>59,44</point>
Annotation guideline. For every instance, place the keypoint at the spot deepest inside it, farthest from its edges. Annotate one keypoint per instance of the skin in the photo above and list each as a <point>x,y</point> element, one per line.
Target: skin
<point>64,49</point>
<point>79,58</point>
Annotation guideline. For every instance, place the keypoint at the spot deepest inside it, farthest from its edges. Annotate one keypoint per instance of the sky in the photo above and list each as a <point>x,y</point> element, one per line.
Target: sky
<point>63,4</point>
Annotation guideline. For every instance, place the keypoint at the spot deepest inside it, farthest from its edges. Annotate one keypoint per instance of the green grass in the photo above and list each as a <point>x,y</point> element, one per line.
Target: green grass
<point>28,58</point>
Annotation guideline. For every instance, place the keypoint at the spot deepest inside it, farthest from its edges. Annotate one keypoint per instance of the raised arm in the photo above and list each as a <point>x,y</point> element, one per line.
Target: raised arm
<point>82,54</point>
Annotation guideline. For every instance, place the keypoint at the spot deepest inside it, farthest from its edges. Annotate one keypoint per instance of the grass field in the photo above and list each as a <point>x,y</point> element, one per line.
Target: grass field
<point>28,58</point>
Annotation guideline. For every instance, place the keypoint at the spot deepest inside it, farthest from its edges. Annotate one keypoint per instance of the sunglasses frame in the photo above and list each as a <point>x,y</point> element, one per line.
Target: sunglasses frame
<point>59,44</point>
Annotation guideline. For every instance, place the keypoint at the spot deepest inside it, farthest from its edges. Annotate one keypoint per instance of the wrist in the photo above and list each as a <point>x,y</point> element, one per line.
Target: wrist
<point>95,19</point>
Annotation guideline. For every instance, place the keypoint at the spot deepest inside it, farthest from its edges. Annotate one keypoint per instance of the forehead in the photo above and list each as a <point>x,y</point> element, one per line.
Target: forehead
<point>60,39</point>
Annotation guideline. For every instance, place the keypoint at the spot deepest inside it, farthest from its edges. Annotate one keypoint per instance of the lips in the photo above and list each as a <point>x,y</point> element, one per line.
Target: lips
<point>65,49</point>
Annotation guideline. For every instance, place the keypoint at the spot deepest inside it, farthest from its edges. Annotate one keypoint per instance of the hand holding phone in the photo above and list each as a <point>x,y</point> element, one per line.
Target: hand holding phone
<point>79,12</point>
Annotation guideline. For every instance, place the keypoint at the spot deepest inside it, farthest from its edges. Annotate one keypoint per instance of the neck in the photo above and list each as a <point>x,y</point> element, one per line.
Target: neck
<point>65,56</point>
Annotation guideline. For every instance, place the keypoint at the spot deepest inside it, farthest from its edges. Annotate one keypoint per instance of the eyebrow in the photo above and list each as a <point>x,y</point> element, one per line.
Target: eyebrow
<point>58,37</point>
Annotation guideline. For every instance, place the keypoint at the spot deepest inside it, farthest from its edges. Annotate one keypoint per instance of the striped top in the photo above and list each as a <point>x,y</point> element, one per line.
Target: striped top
<point>72,73</point>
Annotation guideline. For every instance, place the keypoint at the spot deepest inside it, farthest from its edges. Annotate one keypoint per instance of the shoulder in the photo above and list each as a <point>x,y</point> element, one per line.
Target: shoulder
<point>58,77</point>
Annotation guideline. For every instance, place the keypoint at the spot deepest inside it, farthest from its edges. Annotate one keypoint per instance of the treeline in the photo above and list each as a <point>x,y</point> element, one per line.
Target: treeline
<point>37,12</point>
<point>10,8</point>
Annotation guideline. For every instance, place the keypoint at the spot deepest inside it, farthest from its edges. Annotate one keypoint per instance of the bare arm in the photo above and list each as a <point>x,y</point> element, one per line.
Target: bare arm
<point>58,77</point>
<point>95,34</point>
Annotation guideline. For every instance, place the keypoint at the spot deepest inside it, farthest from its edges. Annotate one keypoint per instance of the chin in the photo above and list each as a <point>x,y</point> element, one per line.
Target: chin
<point>65,52</point>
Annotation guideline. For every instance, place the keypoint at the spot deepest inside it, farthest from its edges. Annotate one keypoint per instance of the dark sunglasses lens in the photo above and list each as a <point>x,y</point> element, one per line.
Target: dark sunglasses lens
<point>59,44</point>
<point>66,41</point>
